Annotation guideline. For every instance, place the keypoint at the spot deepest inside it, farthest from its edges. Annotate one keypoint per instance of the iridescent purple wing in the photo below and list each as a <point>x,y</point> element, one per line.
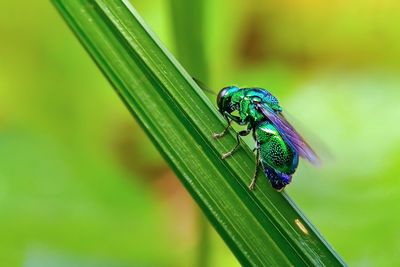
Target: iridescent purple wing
<point>289,133</point>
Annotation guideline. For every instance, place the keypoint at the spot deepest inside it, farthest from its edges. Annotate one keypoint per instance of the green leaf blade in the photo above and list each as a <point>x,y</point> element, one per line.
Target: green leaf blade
<point>262,228</point>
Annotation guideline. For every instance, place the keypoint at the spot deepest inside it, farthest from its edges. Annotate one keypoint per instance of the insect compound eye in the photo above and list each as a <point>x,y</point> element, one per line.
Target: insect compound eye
<point>221,98</point>
<point>221,94</point>
<point>224,99</point>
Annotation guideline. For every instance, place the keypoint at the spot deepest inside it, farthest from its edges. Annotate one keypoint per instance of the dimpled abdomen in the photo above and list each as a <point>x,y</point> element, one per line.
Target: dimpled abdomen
<point>274,151</point>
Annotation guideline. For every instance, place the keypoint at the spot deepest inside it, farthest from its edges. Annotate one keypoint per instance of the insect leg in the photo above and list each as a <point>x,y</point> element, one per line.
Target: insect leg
<point>219,135</point>
<point>254,180</point>
<point>241,133</point>
<point>229,117</point>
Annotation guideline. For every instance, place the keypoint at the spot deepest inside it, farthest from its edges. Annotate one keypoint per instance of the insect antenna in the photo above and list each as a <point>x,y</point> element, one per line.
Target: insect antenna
<point>203,86</point>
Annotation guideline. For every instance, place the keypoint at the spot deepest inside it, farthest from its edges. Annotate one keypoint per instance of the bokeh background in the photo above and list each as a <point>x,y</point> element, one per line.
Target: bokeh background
<point>81,185</point>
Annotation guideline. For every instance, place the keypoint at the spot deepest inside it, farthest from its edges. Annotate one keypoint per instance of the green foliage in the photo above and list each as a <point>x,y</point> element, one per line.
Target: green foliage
<point>262,227</point>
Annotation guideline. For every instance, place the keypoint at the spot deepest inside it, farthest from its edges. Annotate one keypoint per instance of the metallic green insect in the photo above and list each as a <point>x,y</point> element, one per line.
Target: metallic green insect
<point>278,145</point>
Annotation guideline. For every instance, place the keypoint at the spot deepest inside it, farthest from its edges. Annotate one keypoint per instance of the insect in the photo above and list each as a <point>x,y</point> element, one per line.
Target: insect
<point>278,145</point>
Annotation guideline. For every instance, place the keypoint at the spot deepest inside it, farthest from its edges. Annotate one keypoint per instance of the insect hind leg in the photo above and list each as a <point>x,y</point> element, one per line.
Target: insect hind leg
<point>254,180</point>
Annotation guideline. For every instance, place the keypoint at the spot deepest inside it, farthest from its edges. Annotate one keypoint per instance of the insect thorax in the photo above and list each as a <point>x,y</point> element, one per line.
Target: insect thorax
<point>245,102</point>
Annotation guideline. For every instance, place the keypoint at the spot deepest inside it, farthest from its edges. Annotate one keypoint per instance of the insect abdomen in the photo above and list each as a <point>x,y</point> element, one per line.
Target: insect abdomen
<point>278,158</point>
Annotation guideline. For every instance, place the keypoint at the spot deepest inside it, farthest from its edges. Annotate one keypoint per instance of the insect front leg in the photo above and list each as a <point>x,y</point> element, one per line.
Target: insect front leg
<point>241,133</point>
<point>221,134</point>
<point>229,117</point>
<point>254,180</point>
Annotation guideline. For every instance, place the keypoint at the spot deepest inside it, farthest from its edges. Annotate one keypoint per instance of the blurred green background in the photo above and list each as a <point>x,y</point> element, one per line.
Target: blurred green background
<point>81,185</point>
